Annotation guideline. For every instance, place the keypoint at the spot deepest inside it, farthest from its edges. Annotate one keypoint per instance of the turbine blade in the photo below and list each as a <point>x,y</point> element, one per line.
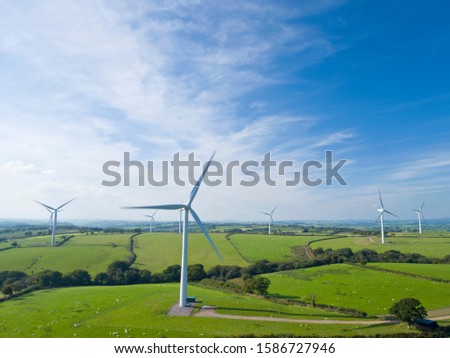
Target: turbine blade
<point>263,212</point>
<point>422,205</point>
<point>59,207</point>
<point>273,210</point>
<point>45,205</point>
<point>381,200</point>
<point>379,216</point>
<point>162,207</point>
<point>202,227</point>
<point>199,181</point>
<point>155,212</point>
<point>387,211</point>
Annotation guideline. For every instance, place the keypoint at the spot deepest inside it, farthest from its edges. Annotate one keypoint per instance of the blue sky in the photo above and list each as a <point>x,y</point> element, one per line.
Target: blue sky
<point>82,82</point>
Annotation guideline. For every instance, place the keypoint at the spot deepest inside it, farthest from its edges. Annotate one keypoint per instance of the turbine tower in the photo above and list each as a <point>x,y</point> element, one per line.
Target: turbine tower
<point>54,213</point>
<point>382,210</point>
<point>420,216</point>
<point>187,210</point>
<point>270,216</point>
<point>152,220</point>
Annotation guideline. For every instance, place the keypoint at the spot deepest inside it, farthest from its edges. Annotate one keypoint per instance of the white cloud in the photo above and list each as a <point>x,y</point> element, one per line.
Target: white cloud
<point>83,82</point>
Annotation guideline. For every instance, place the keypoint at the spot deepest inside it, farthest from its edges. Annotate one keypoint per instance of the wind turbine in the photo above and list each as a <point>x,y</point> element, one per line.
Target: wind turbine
<point>54,213</point>
<point>152,220</point>
<point>270,216</point>
<point>187,210</point>
<point>420,216</point>
<point>382,210</point>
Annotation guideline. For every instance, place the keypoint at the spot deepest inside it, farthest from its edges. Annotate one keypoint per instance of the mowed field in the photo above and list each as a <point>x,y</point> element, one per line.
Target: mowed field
<point>155,251</point>
<point>349,286</point>
<point>92,253</point>
<point>139,311</point>
<point>272,247</point>
<point>427,245</point>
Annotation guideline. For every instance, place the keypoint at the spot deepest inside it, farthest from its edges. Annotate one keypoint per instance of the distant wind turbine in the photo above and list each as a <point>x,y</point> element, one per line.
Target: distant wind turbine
<point>54,213</point>
<point>152,220</point>
<point>420,216</point>
<point>187,210</point>
<point>270,216</point>
<point>382,210</point>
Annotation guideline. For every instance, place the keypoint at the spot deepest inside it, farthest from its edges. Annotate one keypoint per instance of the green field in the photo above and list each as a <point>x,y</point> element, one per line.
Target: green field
<point>92,253</point>
<point>425,245</point>
<point>441,271</point>
<point>139,311</point>
<point>273,247</point>
<point>349,286</point>
<point>156,251</point>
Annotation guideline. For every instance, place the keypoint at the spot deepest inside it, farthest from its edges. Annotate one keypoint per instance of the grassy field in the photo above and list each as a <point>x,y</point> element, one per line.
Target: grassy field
<point>273,247</point>
<point>92,253</point>
<point>436,246</point>
<point>349,286</point>
<point>440,271</point>
<point>139,311</point>
<point>156,251</point>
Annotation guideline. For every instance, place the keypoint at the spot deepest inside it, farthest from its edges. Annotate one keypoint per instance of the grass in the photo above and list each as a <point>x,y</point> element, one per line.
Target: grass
<point>441,271</point>
<point>436,246</point>
<point>273,247</point>
<point>92,253</point>
<point>139,311</point>
<point>349,286</point>
<point>156,251</point>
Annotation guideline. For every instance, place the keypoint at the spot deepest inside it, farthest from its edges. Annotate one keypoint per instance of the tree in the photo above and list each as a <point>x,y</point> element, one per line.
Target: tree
<point>196,272</point>
<point>172,273</point>
<point>7,290</point>
<point>119,265</point>
<point>408,310</point>
<point>77,278</point>
<point>50,278</point>
<point>259,285</point>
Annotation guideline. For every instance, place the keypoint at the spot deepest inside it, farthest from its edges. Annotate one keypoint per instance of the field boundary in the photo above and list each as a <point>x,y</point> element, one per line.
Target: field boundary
<point>228,238</point>
<point>399,272</point>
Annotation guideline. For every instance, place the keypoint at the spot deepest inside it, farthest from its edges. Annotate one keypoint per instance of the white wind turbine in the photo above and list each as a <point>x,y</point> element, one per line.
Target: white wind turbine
<point>270,216</point>
<point>152,220</point>
<point>420,216</point>
<point>382,210</point>
<point>54,213</point>
<point>187,210</point>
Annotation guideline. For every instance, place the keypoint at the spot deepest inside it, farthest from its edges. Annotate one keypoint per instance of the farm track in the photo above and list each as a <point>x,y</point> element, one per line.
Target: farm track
<point>211,313</point>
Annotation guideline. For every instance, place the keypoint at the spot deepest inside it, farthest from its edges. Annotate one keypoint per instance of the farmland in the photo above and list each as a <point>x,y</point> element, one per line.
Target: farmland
<point>432,271</point>
<point>156,251</point>
<point>274,247</point>
<point>139,311</point>
<point>92,253</point>
<point>430,246</point>
<point>355,287</point>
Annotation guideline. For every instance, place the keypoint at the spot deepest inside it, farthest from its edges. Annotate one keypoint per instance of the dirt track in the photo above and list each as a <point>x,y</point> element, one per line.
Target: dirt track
<point>211,313</point>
